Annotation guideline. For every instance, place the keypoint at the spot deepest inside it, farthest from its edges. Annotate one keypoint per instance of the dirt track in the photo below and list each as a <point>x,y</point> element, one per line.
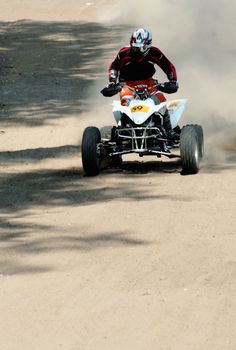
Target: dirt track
<point>142,258</point>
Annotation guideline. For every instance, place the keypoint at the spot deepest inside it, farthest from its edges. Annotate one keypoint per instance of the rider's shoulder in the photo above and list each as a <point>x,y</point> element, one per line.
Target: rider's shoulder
<point>124,51</point>
<point>155,51</point>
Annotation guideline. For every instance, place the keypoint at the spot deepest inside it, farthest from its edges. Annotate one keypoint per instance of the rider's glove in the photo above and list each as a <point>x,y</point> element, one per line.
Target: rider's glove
<point>169,88</point>
<point>111,84</point>
<point>173,85</point>
<point>174,82</point>
<point>111,89</point>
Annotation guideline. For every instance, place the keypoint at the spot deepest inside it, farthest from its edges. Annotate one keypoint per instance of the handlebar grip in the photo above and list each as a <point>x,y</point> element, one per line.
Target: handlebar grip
<point>111,91</point>
<point>168,88</point>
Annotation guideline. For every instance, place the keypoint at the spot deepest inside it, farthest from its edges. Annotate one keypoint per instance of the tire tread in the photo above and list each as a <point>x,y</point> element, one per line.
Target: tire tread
<point>91,164</point>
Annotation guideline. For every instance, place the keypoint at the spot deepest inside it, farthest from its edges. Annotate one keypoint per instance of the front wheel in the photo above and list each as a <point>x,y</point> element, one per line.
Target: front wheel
<point>190,149</point>
<point>91,151</point>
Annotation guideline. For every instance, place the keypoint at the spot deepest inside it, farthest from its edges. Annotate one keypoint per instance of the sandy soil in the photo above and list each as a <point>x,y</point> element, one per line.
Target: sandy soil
<point>139,258</point>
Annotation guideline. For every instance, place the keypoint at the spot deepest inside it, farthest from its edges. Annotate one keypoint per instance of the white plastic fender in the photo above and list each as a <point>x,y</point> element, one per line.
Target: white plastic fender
<point>138,110</point>
<point>175,108</point>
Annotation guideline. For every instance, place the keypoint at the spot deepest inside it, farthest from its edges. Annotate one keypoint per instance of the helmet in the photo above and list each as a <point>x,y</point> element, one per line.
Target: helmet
<point>140,42</point>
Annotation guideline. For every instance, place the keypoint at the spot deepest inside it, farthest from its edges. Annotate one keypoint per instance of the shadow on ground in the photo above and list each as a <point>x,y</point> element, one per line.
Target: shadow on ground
<point>46,189</point>
<point>129,167</point>
<point>19,245</point>
<point>47,68</point>
<point>139,167</point>
<point>51,188</point>
<point>37,154</point>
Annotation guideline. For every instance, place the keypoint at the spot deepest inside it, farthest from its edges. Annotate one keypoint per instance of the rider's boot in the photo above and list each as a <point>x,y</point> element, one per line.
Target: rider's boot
<point>171,134</point>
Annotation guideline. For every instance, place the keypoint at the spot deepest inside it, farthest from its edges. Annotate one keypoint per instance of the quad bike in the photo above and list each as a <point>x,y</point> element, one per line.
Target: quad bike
<point>139,129</point>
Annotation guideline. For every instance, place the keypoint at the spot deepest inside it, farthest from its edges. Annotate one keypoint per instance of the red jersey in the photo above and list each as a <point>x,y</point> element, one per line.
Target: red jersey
<point>126,68</point>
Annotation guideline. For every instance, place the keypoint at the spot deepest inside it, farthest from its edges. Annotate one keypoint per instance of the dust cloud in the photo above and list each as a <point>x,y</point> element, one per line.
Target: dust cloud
<point>198,39</point>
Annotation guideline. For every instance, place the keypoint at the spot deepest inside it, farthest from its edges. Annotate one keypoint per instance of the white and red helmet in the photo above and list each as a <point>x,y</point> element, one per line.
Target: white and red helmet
<point>140,42</point>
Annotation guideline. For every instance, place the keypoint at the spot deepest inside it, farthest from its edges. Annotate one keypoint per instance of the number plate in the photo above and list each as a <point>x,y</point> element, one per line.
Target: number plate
<point>139,108</point>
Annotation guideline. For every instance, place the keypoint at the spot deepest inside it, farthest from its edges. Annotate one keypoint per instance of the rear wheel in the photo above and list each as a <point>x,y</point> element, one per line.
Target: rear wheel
<point>190,151</point>
<point>91,151</point>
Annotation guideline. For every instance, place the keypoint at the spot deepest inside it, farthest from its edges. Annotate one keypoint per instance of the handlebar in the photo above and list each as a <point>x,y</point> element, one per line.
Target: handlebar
<point>168,88</point>
<point>111,91</point>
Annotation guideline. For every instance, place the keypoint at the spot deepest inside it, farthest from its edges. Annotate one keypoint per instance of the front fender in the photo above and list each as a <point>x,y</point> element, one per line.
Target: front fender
<point>176,108</point>
<point>138,117</point>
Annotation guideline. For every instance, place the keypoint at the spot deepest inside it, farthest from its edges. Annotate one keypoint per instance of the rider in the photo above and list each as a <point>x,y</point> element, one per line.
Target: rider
<point>134,65</point>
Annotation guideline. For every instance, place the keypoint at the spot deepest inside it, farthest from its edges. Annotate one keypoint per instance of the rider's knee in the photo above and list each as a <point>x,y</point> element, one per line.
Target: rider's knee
<point>126,96</point>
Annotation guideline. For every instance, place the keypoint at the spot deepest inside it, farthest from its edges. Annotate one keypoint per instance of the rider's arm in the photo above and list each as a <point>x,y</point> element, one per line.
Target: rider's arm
<point>164,63</point>
<point>114,69</point>
<point>115,66</point>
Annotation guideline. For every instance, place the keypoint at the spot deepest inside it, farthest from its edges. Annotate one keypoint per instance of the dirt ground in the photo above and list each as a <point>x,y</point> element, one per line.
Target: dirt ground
<point>139,258</point>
